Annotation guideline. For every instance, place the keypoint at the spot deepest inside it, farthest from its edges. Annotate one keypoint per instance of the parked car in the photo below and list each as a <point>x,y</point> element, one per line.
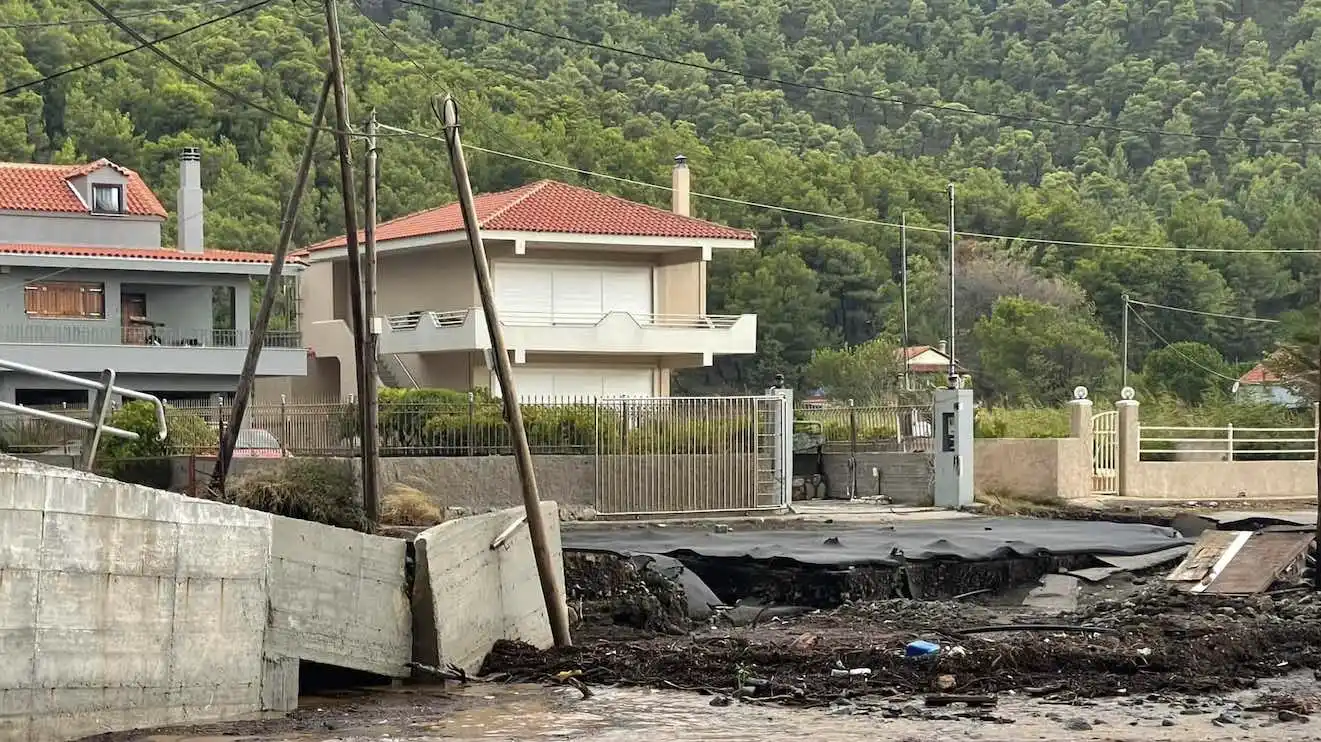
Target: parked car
<point>259,444</point>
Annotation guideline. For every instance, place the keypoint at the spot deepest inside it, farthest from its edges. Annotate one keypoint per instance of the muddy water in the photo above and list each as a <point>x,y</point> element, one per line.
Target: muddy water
<point>486,713</point>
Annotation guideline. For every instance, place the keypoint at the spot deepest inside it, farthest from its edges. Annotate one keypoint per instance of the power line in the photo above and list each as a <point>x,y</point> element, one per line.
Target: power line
<point>841,217</point>
<point>99,21</point>
<point>1177,352</point>
<point>943,107</point>
<point>143,44</point>
<point>1204,314</point>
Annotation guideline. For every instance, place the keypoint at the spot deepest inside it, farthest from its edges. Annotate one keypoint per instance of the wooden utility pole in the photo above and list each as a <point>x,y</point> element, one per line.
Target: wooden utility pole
<point>274,279</point>
<point>347,189</point>
<point>903,258</point>
<point>372,433</point>
<point>556,609</point>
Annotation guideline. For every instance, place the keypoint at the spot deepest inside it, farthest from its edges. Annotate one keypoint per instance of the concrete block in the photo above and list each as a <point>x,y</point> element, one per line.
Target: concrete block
<point>70,658</point>
<point>18,598</point>
<point>230,551</point>
<point>20,539</point>
<point>279,684</point>
<point>18,648</point>
<point>15,702</point>
<point>478,594</point>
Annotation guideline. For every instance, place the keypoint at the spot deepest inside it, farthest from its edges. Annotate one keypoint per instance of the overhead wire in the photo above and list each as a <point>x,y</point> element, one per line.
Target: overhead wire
<point>101,21</point>
<point>1177,352</point>
<point>958,109</point>
<point>1202,313</point>
<point>843,217</point>
<point>143,43</point>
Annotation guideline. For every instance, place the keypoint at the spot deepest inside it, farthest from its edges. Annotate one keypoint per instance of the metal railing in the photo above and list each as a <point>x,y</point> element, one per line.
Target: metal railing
<point>1228,443</point>
<point>100,332</point>
<point>456,318</point>
<point>95,426</point>
<point>897,427</point>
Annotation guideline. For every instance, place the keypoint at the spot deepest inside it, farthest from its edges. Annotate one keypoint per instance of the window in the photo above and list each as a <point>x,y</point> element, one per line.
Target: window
<point>64,300</point>
<point>107,198</point>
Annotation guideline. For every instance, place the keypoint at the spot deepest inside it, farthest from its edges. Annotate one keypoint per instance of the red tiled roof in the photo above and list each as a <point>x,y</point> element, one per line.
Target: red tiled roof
<point>551,206</point>
<point>136,253</point>
<point>1259,374</point>
<point>35,187</point>
<point>925,368</point>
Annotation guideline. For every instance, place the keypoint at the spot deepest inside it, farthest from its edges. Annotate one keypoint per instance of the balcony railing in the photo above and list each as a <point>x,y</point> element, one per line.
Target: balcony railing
<point>56,332</point>
<point>410,321</point>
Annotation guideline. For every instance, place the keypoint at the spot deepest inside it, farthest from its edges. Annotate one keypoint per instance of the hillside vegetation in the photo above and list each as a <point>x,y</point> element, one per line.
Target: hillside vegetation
<point>1241,71</point>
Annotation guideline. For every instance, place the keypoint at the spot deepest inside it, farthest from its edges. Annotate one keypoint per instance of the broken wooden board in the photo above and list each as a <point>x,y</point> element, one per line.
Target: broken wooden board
<point>1240,562</point>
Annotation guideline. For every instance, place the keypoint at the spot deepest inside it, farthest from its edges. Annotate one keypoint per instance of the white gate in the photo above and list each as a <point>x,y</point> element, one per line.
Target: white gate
<point>1105,453</point>
<point>676,455</point>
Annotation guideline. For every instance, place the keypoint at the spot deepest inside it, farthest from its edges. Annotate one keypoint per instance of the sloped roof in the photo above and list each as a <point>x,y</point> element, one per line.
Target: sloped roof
<point>37,187</point>
<point>1260,374</point>
<point>552,206</point>
<point>136,253</point>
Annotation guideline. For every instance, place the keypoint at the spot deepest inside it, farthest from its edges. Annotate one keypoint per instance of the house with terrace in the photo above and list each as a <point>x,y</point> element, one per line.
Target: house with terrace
<point>597,296</point>
<point>85,285</point>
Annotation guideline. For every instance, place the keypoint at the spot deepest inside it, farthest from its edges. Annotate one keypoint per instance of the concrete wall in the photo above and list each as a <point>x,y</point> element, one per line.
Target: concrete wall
<point>81,229</point>
<point>1036,467</point>
<point>1220,480</point>
<point>124,607</point>
<point>468,595</point>
<point>903,477</point>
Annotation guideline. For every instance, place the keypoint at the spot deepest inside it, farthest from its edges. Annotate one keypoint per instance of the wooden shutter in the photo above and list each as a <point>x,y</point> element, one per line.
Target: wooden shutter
<point>65,299</point>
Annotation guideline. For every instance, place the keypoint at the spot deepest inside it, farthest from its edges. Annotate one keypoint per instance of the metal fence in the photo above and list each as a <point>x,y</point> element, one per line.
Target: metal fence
<point>898,427</point>
<point>667,455</point>
<point>1228,443</point>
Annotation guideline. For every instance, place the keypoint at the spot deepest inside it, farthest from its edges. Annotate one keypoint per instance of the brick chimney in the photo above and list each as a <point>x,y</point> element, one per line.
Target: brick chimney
<point>189,204</point>
<point>679,181</point>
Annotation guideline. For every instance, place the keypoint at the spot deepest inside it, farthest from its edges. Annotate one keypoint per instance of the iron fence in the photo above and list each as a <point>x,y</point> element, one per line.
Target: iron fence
<point>893,427</point>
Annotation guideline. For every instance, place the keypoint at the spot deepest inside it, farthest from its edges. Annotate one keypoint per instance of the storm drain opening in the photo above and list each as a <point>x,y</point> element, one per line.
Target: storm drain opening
<point>316,679</point>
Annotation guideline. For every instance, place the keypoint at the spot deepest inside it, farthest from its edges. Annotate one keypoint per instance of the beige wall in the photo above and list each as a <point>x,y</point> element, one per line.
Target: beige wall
<point>438,279</point>
<point>1037,467</point>
<point>681,289</point>
<point>1222,480</point>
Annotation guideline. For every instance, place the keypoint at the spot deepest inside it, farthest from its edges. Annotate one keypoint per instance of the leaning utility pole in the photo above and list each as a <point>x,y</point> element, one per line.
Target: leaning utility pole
<point>274,279</point>
<point>556,609</point>
<point>344,145</point>
<point>372,433</point>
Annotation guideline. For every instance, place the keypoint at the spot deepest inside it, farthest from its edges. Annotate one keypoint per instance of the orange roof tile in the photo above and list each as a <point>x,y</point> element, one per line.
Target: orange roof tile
<point>36,187</point>
<point>551,206</point>
<point>136,253</point>
<point>1259,374</point>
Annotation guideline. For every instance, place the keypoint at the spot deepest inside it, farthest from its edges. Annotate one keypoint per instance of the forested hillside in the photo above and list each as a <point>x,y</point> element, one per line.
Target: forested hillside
<point>1188,125</point>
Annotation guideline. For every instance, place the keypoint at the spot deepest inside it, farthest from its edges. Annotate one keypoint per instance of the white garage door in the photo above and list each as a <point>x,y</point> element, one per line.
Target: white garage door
<point>572,294</point>
<point>542,382</point>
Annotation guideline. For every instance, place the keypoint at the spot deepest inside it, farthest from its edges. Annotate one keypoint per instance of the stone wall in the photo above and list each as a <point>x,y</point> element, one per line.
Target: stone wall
<point>123,607</point>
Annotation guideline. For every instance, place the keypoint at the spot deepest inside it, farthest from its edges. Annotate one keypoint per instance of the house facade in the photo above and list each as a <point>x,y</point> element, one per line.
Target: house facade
<point>597,296</point>
<point>1262,385</point>
<point>85,285</point>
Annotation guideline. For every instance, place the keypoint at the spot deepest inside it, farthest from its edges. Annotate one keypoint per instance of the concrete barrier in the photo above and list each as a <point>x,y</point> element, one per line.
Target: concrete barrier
<point>467,595</point>
<point>123,607</point>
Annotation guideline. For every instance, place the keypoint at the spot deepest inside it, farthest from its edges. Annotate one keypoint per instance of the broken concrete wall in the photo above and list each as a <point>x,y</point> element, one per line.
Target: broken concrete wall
<point>124,607</point>
<point>467,595</point>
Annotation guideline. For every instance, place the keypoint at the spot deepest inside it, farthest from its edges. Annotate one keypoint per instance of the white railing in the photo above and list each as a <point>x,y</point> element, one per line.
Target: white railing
<point>411,321</point>
<point>1228,443</point>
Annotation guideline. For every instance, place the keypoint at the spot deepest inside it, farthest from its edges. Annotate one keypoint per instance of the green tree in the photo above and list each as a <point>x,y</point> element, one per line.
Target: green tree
<point>1189,371</point>
<point>1035,353</point>
<point>867,373</point>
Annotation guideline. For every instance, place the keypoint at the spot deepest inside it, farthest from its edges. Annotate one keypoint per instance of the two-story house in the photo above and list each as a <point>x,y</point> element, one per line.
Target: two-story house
<point>597,295</point>
<point>86,285</point>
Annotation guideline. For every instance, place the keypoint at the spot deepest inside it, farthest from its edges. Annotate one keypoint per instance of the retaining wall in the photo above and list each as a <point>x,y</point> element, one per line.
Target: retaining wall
<point>905,478</point>
<point>1222,480</point>
<point>123,607</point>
<point>1034,467</point>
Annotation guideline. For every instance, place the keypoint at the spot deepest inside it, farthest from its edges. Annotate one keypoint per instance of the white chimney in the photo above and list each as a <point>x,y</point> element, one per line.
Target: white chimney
<point>680,185</point>
<point>943,345</point>
<point>189,205</point>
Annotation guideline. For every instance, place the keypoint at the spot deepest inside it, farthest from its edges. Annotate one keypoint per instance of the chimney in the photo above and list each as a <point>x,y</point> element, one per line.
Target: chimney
<point>680,184</point>
<point>942,347</point>
<point>189,205</point>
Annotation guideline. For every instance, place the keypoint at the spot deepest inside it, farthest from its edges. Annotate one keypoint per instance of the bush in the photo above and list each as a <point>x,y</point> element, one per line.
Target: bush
<point>320,490</point>
<point>1025,422</point>
<point>406,506</point>
<point>146,461</point>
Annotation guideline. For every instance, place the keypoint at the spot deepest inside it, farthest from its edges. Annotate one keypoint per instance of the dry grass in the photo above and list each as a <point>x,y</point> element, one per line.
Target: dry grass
<point>318,490</point>
<point>999,501</point>
<point>406,506</point>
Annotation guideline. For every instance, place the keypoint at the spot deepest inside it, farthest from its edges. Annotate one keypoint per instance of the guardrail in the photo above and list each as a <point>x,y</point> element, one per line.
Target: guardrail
<point>103,333</point>
<point>456,318</point>
<point>105,389</point>
<point>1228,443</point>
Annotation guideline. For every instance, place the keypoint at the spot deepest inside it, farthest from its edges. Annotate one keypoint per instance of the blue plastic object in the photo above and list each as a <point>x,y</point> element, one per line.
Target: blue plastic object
<point>921,649</point>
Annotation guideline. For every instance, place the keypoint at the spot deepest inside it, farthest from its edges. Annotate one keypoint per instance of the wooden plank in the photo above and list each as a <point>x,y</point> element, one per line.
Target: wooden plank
<point>1260,562</point>
<point>1203,557</point>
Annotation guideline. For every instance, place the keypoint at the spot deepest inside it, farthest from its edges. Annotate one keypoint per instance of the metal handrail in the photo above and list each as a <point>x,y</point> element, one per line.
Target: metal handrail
<point>105,389</point>
<point>457,317</point>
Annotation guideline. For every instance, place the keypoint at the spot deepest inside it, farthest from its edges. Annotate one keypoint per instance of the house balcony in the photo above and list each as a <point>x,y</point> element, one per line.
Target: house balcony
<point>89,346</point>
<point>560,332</point>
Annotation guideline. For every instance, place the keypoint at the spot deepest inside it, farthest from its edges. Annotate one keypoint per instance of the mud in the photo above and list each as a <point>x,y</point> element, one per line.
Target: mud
<point>1163,642</point>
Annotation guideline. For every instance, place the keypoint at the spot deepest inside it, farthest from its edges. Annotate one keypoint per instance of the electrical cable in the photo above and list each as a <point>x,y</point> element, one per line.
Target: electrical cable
<point>1204,314</point>
<point>1177,352</point>
<point>98,21</point>
<point>946,108</point>
<point>143,44</point>
<point>841,217</point>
